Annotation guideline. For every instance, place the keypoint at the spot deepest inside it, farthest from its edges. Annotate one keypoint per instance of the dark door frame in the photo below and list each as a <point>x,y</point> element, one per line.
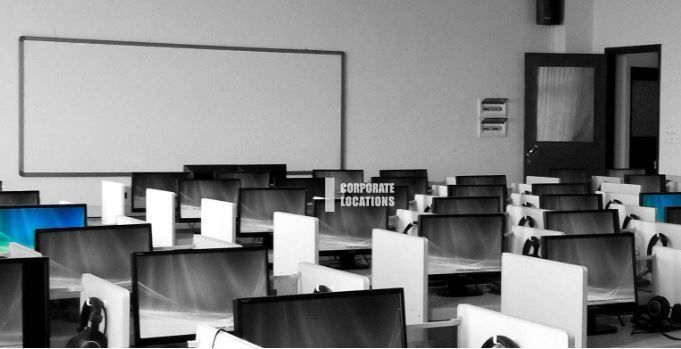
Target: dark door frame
<point>611,54</point>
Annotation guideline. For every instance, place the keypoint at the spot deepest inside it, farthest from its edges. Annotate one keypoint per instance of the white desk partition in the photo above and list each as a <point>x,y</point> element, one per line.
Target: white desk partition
<point>667,281</point>
<point>560,303</point>
<point>123,220</point>
<point>218,220</point>
<point>439,190</point>
<point>406,217</point>
<point>450,180</point>
<point>208,337</point>
<point>633,189</point>
<point>520,234</point>
<point>625,199</point>
<point>479,324</point>
<point>423,202</point>
<point>541,180</point>
<point>516,213</point>
<point>644,232</point>
<point>20,251</point>
<point>597,181</point>
<point>161,215</point>
<point>647,214</point>
<point>524,188</point>
<point>312,275</point>
<point>399,260</point>
<point>113,201</point>
<point>116,301</point>
<point>521,199</point>
<point>295,240</point>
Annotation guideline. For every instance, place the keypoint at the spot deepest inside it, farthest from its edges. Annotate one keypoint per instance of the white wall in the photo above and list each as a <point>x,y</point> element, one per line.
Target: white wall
<point>414,69</point>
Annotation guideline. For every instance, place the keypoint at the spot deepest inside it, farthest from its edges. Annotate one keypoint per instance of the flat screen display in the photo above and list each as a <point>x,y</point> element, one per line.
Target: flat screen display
<point>141,181</point>
<point>257,207</point>
<point>481,180</point>
<point>621,172</point>
<point>497,190</point>
<point>348,227</point>
<point>18,223</point>
<point>248,179</point>
<point>466,205</point>
<point>340,176</point>
<point>648,183</point>
<point>193,190</point>
<point>276,171</point>
<point>660,201</point>
<point>571,202</point>
<point>314,186</point>
<point>173,291</point>
<point>559,188</point>
<point>404,173</point>
<point>23,197</point>
<point>416,185</point>
<point>583,222</point>
<point>673,215</point>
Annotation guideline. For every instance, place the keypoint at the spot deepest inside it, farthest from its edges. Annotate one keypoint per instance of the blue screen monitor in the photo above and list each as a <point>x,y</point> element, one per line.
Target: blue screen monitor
<point>660,201</point>
<point>18,223</point>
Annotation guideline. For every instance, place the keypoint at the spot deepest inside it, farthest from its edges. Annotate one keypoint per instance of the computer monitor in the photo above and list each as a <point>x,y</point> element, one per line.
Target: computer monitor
<point>611,263</point>
<point>570,175</point>
<point>314,186</point>
<point>248,179</point>
<point>257,207</point>
<point>559,188</point>
<point>103,251</point>
<point>141,181</point>
<point>648,183</point>
<point>18,223</point>
<point>583,222</point>
<point>416,185</point>
<point>0,185</point>
<point>621,172</point>
<point>672,214</point>
<point>348,227</point>
<point>175,290</point>
<point>277,171</point>
<point>350,319</point>
<point>481,180</point>
<point>404,173</point>
<point>19,197</point>
<point>24,298</point>
<point>340,176</point>
<point>571,202</point>
<point>193,190</point>
<point>466,205</point>
<point>497,190</point>
<point>400,197</point>
<point>463,249</point>
<point>659,201</point>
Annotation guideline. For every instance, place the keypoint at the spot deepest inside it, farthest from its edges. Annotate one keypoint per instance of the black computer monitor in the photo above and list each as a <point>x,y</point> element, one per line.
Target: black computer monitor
<point>173,291</point>
<point>19,197</point>
<point>141,181</point>
<point>18,223</point>
<point>466,205</point>
<point>498,190</point>
<point>340,176</point>
<point>583,221</point>
<point>400,198</point>
<point>570,175</point>
<point>348,227</point>
<point>559,188</point>
<point>621,172</point>
<point>611,262</point>
<point>103,251</point>
<point>464,249</point>
<point>350,319</point>
<point>404,173</point>
<point>314,186</point>
<point>248,179</point>
<point>648,183</point>
<point>481,180</point>
<point>416,185</point>
<point>672,214</point>
<point>191,191</point>
<point>571,202</point>
<point>277,171</point>
<point>659,201</point>
<point>24,300</point>
<point>257,207</point>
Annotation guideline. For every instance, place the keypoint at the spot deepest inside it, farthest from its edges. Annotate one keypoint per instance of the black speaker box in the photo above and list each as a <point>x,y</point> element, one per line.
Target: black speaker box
<point>550,12</point>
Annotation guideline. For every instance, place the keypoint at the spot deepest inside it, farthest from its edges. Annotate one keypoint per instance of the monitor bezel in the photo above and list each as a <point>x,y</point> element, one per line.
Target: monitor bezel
<point>542,198</point>
<point>463,198</point>
<point>181,182</point>
<point>29,192</point>
<point>541,185</point>
<point>264,233</point>
<point>179,175</point>
<point>613,212</point>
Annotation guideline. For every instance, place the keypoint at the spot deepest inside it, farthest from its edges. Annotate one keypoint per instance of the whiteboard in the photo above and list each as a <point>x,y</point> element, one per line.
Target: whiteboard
<point>92,107</point>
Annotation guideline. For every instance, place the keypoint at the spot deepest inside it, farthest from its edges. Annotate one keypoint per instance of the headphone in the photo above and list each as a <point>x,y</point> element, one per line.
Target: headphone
<point>409,226</point>
<point>613,201</point>
<point>628,219</point>
<point>531,247</point>
<point>527,219</point>
<point>661,238</point>
<point>499,342</point>
<point>660,311</point>
<point>90,336</point>
<point>527,204</point>
<point>322,289</point>
<point>427,209</point>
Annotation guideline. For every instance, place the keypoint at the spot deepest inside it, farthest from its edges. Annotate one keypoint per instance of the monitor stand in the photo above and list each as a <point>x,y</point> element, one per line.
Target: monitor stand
<point>594,329</point>
<point>459,286</point>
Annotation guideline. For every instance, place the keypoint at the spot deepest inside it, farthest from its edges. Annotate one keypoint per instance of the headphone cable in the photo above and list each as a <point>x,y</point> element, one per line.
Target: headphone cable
<point>216,336</point>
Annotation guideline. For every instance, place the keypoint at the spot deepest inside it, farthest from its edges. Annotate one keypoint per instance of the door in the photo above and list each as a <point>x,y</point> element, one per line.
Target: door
<point>644,118</point>
<point>565,125</point>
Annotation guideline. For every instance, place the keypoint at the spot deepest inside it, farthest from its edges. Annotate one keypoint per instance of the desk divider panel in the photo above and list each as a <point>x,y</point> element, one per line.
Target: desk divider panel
<point>295,240</point>
<point>450,180</point>
<point>423,201</point>
<point>406,217</point>
<point>479,324</point>
<point>520,234</point>
<point>218,220</point>
<point>541,180</point>
<point>666,280</point>
<point>312,275</point>
<point>116,301</point>
<point>647,214</point>
<point>439,190</point>
<point>625,199</point>
<point>621,188</point>
<point>208,337</point>
<point>524,188</point>
<point>644,231</point>
<point>113,201</point>
<point>516,213</point>
<point>400,260</point>
<point>161,215</point>
<point>17,250</point>
<point>546,292</point>
<point>518,199</point>
<point>598,181</point>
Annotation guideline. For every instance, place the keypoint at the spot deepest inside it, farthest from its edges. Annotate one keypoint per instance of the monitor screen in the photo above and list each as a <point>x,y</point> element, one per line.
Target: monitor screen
<point>24,319</point>
<point>583,222</point>
<point>248,179</point>
<point>314,186</point>
<point>673,214</point>
<point>403,173</point>
<point>141,181</point>
<point>400,197</point>
<point>648,183</point>
<point>660,201</point>
<point>497,190</point>
<point>76,251</point>
<point>193,190</point>
<point>173,291</point>
<point>466,205</point>
<point>22,197</point>
<point>348,227</point>
<point>18,223</point>
<point>416,185</point>
<point>340,176</point>
<point>481,180</point>
<point>257,207</point>
<point>570,175</point>
<point>351,319</point>
<point>610,260</point>
<point>463,243</point>
<point>621,172</point>
<point>276,171</point>
<point>571,202</point>
<point>559,188</point>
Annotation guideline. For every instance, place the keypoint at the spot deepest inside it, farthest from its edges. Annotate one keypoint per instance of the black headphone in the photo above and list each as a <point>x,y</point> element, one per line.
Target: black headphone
<point>499,342</point>
<point>661,238</point>
<point>659,317</point>
<point>409,226</point>
<point>613,201</point>
<point>527,204</point>
<point>531,247</point>
<point>426,209</point>
<point>322,289</point>
<point>90,336</point>
<point>628,219</point>
<point>527,219</point>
